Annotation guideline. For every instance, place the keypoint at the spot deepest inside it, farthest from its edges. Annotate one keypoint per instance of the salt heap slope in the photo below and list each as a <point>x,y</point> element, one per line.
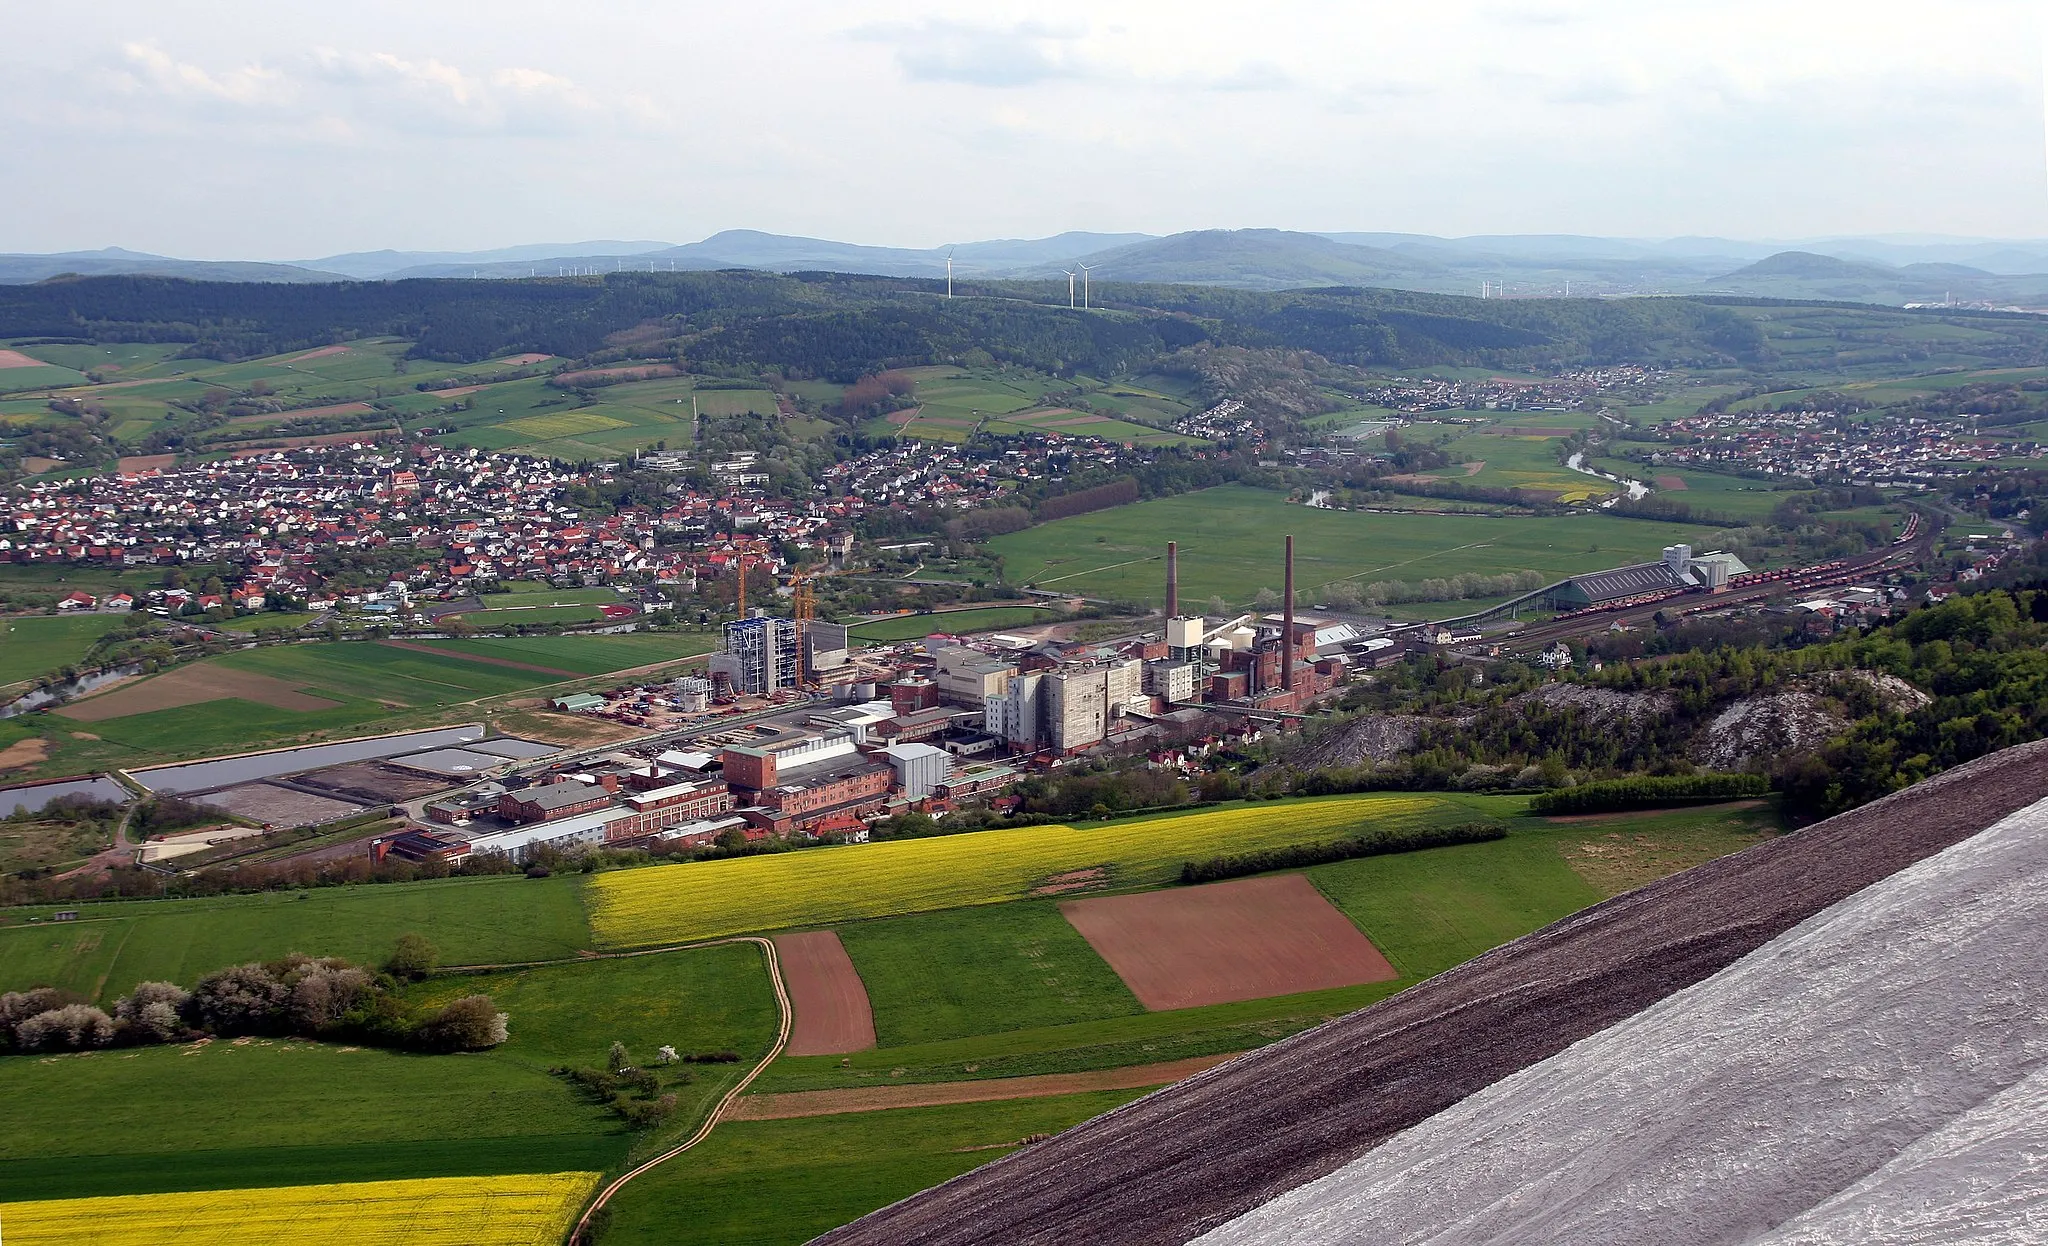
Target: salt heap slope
<point>1188,1159</point>
<point>1875,1075</point>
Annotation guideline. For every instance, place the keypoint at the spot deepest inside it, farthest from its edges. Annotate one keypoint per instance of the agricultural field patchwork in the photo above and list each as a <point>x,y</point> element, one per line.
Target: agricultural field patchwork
<point>293,694</point>
<point>1230,546</point>
<point>637,908</point>
<point>526,1210</point>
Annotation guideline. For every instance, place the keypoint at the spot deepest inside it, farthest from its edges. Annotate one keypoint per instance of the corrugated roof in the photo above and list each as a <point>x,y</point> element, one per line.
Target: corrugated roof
<point>1646,577</point>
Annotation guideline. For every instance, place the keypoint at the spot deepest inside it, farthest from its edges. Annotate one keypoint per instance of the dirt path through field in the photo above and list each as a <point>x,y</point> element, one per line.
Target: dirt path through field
<point>793,1104</point>
<point>833,1016</point>
<point>487,661</point>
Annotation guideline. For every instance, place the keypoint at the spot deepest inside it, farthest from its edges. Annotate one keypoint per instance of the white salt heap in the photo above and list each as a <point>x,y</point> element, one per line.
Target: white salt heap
<point>1876,1075</point>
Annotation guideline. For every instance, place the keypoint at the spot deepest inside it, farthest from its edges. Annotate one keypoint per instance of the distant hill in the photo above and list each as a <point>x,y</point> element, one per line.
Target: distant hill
<point>113,261</point>
<point>1811,275</point>
<point>1263,259</point>
<point>1889,270</point>
<point>378,265</point>
<point>1807,264</point>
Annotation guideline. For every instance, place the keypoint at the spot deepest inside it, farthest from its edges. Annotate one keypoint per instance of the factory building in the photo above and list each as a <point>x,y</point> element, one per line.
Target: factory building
<point>760,655</point>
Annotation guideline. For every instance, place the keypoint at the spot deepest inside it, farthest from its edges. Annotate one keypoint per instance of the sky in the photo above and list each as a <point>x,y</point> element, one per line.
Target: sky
<point>283,130</point>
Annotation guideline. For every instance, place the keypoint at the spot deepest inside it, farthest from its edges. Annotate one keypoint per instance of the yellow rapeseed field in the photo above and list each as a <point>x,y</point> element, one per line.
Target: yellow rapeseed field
<point>527,1210</point>
<point>703,900</point>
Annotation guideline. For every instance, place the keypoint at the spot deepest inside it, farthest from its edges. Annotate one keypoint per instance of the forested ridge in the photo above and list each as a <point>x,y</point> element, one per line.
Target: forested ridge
<point>841,327</point>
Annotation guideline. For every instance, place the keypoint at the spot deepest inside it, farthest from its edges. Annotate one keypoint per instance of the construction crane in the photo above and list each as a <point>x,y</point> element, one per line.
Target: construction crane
<point>803,607</point>
<point>740,600</point>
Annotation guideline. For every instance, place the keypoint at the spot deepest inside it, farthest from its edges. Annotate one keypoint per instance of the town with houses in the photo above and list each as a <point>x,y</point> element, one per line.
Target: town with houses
<point>1884,448</point>
<point>476,518</point>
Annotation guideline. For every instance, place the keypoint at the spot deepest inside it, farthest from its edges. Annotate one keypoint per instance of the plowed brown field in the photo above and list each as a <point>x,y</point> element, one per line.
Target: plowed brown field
<point>190,685</point>
<point>1247,939</point>
<point>827,995</point>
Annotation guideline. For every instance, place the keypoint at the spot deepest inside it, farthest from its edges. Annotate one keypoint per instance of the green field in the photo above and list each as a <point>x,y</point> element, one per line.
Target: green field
<point>369,681</point>
<point>781,1183</point>
<point>953,402</point>
<point>1521,461</point>
<point>298,1112</point>
<point>589,655</point>
<point>1706,492</point>
<point>39,644</point>
<point>115,945</point>
<point>1230,547</point>
<point>946,975</point>
<point>950,622</point>
<point>533,593</point>
<point>283,1112</point>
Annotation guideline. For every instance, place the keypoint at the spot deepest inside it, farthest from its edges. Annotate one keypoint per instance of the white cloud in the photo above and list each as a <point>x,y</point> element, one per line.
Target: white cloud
<point>415,124</point>
<point>146,66</point>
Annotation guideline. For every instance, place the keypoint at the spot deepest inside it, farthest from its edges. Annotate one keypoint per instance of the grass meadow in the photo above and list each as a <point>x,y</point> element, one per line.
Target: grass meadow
<point>283,1112</point>
<point>39,644</point>
<point>674,904</point>
<point>984,970</point>
<point>113,946</point>
<point>1518,460</point>
<point>589,655</point>
<point>1230,546</point>
<point>950,622</point>
<point>781,1183</point>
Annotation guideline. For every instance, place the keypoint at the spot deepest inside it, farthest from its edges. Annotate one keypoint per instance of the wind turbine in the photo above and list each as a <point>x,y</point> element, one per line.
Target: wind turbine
<point>949,274</point>
<point>1085,270</point>
<point>1070,287</point>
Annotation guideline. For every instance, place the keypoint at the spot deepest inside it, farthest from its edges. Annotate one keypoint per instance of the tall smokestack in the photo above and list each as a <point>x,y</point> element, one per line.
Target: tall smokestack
<point>1287,622</point>
<point>1173,579</point>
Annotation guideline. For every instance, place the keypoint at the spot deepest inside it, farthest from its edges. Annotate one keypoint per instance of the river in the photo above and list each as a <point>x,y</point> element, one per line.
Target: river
<point>1634,490</point>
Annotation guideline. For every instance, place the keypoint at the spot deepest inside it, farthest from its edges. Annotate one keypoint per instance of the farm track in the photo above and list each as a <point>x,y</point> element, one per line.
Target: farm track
<point>1179,1162</point>
<point>794,1104</point>
<point>725,1102</point>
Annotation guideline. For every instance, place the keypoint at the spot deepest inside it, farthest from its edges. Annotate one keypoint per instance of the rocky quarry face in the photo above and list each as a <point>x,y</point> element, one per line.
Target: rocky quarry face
<point>1756,731</point>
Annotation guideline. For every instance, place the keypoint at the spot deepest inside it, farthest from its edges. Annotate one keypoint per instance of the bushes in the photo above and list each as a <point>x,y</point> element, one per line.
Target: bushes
<point>73,1027</point>
<point>299,995</point>
<point>412,957</point>
<point>1645,790</point>
<point>638,1096</point>
<point>1371,844</point>
<point>472,1023</point>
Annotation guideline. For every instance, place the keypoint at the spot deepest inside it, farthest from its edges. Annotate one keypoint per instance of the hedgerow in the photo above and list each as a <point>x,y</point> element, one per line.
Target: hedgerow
<point>1371,844</point>
<point>1647,790</point>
